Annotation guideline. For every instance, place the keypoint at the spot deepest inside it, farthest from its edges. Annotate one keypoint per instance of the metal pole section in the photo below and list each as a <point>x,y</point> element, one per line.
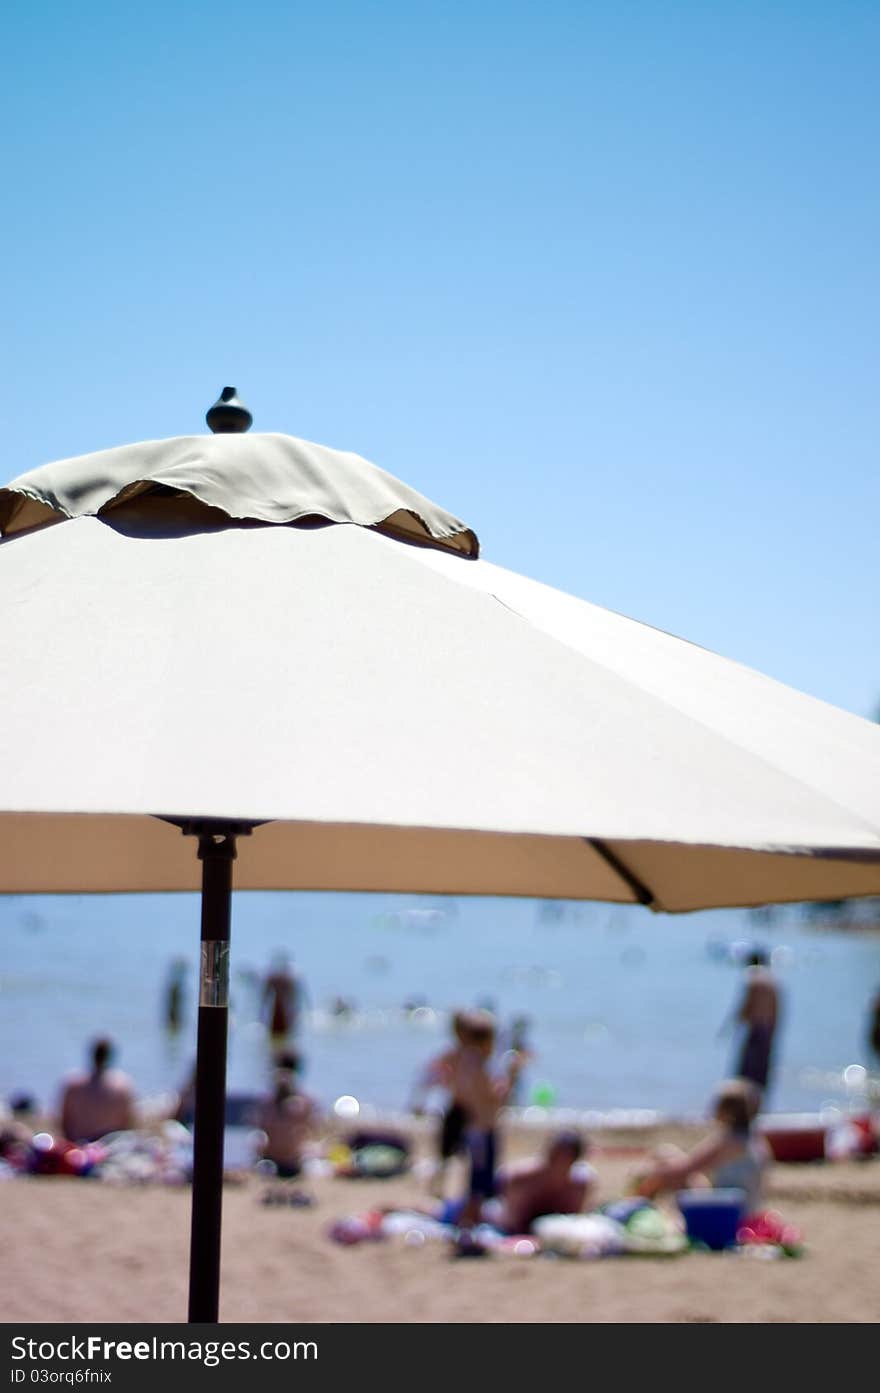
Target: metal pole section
<point>216,853</point>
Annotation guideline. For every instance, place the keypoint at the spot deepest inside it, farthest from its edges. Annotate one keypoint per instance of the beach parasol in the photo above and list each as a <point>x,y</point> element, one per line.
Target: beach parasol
<point>286,654</point>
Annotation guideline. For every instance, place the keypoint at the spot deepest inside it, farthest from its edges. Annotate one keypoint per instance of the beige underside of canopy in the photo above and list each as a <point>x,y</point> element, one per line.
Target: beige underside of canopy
<point>58,854</point>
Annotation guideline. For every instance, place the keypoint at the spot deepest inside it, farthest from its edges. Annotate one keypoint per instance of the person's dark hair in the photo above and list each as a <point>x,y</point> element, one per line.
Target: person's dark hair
<point>103,1051</point>
<point>459,1022</point>
<point>568,1141</point>
<point>478,1027</point>
<point>759,957</point>
<point>738,1100</point>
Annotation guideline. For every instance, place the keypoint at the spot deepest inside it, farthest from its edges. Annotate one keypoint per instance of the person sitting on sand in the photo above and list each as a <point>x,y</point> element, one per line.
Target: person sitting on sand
<point>482,1095</point>
<point>439,1072</point>
<point>185,1105</point>
<point>730,1157</point>
<point>286,1119</point>
<point>557,1184</point>
<point>98,1102</point>
<point>15,1138</point>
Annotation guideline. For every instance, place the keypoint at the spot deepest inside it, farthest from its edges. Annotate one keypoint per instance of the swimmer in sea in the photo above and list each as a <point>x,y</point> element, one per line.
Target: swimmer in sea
<point>757,1015</point>
<point>283,994</point>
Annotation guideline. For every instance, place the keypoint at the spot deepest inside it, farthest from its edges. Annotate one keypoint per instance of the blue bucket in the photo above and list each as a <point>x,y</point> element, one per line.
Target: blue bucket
<point>712,1216</point>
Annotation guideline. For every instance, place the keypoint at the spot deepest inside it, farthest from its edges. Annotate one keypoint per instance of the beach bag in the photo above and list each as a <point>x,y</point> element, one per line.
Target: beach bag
<point>580,1235</point>
<point>652,1232</point>
<point>377,1155</point>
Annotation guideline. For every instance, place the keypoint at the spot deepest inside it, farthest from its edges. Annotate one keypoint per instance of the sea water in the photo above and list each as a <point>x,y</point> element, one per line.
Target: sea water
<point>624,1007</point>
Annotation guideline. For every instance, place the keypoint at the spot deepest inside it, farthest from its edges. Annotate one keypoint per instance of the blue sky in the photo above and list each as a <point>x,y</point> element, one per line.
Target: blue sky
<point>600,278</point>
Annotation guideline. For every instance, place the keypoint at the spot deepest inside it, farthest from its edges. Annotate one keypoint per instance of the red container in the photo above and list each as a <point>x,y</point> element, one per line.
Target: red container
<point>796,1138</point>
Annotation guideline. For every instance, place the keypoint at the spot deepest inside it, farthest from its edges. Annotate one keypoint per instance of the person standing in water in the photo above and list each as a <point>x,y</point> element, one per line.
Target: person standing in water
<point>874,1027</point>
<point>757,1015</point>
<point>283,994</point>
<point>518,1047</point>
<point>175,994</point>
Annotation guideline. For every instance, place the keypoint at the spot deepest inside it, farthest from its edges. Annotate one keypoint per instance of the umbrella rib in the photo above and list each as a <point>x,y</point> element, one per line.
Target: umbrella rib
<point>638,887</point>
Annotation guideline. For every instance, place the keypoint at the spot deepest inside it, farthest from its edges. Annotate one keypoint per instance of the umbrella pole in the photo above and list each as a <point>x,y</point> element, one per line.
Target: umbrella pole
<point>216,853</point>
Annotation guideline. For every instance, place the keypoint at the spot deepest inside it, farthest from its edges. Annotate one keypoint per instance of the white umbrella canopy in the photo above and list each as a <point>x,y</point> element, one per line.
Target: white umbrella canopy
<point>261,636</point>
<point>401,715</point>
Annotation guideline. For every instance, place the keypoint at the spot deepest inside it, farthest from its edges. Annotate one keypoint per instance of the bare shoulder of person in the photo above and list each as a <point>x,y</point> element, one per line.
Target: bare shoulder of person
<point>519,1170</point>
<point>583,1173</point>
<point>709,1151</point>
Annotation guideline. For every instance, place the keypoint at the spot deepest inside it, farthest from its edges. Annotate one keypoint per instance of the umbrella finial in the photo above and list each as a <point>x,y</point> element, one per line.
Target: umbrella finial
<point>228,416</point>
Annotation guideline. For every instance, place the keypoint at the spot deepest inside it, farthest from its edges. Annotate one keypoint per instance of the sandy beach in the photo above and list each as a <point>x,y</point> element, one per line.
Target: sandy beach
<point>84,1251</point>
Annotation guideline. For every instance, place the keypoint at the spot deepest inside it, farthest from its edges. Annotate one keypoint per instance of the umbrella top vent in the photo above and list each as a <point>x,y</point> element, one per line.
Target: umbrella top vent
<point>228,415</point>
<point>197,483</point>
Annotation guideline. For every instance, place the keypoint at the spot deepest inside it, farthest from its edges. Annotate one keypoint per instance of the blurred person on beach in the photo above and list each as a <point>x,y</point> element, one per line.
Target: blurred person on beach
<point>286,1119</point>
<point>874,1028</point>
<point>175,995</point>
<point>185,1111</point>
<point>15,1135</point>
<point>481,1094</point>
<point>342,1008</point>
<point>283,996</point>
<point>287,1062</point>
<point>517,1043</point>
<point>757,1016</point>
<point>731,1157</point>
<point>518,1036</point>
<point>98,1102</point>
<point>558,1183</point>
<point>440,1072</point>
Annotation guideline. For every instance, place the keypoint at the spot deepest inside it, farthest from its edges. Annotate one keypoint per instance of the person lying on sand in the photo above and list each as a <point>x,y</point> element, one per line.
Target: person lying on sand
<point>554,1184</point>
<point>559,1182</point>
<point>731,1156</point>
<point>100,1101</point>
